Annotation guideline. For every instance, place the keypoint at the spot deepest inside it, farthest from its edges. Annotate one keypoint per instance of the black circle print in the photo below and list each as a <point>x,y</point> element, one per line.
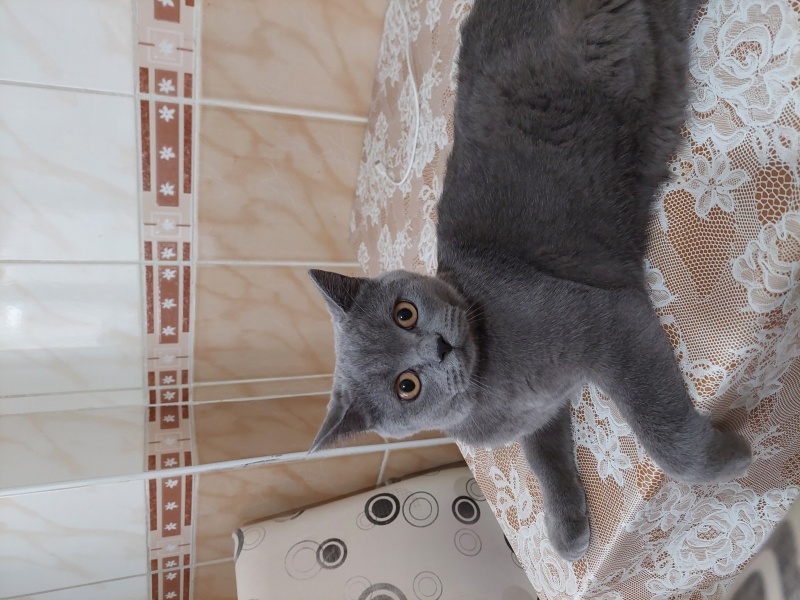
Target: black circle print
<point>301,560</point>
<point>427,586</point>
<point>382,591</point>
<point>331,553</point>
<point>420,509</point>
<point>467,542</point>
<point>466,510</point>
<point>382,509</point>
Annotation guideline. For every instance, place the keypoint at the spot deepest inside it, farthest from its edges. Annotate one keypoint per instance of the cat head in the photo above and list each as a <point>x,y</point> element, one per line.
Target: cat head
<point>405,351</point>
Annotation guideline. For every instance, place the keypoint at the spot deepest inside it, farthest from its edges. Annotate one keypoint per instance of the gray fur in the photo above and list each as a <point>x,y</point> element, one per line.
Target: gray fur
<point>566,114</point>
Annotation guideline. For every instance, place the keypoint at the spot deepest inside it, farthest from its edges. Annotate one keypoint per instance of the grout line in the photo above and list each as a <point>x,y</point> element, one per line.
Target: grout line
<point>263,108</point>
<point>280,263</point>
<point>141,230</point>
<point>198,403</point>
<point>222,466</point>
<point>383,468</point>
<point>142,278</point>
<point>74,587</point>
<point>262,380</point>
<point>282,110</point>
<point>74,393</point>
<point>146,404</point>
<point>195,221</point>
<point>142,261</point>
<point>216,561</point>
<point>34,261</point>
<point>68,88</point>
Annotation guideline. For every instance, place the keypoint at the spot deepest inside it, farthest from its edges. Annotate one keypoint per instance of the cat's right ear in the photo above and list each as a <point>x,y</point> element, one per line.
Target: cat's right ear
<point>342,421</point>
<point>338,290</point>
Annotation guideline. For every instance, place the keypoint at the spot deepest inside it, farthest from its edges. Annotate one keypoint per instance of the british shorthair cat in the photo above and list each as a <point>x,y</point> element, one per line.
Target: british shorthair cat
<point>566,114</point>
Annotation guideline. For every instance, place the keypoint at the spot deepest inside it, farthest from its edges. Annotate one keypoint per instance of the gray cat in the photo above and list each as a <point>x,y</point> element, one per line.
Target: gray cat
<point>566,114</point>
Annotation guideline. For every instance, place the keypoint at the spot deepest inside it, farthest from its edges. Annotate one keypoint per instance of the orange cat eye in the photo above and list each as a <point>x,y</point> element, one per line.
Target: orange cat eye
<point>408,386</point>
<point>405,314</point>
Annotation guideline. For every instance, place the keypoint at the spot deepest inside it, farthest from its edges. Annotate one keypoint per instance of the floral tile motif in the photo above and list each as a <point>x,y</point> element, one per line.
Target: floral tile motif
<point>166,115</point>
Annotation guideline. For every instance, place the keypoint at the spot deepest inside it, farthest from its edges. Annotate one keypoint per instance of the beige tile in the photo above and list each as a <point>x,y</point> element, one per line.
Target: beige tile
<point>130,588</point>
<point>72,537</point>
<point>257,322</point>
<point>70,327</point>
<point>68,186</point>
<point>228,499</point>
<point>312,54</point>
<point>276,187</point>
<point>271,388</point>
<point>235,430</point>
<point>18,405</point>
<point>81,43</point>
<point>70,445</point>
<point>215,582</point>
<point>409,461</point>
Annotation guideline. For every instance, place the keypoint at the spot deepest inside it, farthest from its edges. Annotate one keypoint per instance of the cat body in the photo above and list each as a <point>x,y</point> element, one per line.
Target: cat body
<point>566,114</point>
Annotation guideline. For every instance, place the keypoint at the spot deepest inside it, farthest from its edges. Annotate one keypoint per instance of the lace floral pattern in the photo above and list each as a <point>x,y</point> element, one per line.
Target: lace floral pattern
<point>723,271</point>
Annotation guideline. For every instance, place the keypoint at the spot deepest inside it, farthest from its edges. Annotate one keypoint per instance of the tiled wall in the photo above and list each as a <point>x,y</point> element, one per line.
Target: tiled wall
<point>170,169</point>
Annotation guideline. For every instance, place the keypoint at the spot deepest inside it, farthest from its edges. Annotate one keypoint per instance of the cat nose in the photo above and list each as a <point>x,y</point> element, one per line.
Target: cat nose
<point>442,347</point>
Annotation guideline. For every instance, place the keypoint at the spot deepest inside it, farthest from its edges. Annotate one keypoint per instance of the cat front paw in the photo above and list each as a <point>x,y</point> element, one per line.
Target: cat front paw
<point>729,457</point>
<point>569,533</point>
<point>724,457</point>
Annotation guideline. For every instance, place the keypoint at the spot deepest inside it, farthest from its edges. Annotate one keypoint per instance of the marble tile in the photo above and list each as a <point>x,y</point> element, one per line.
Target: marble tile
<point>256,322</point>
<point>17,405</point>
<point>71,445</point>
<point>312,54</point>
<point>270,388</point>
<point>69,328</point>
<point>78,536</point>
<point>215,582</point>
<point>276,187</point>
<point>228,499</point>
<point>235,430</point>
<point>413,460</point>
<point>130,588</point>
<point>68,187</point>
<point>82,43</point>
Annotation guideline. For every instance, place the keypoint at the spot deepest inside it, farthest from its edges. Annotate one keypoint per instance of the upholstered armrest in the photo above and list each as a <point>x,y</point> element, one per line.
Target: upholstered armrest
<point>428,537</point>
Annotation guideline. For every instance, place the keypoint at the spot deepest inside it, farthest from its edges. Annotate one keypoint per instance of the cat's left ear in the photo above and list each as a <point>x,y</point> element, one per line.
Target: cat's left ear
<point>343,420</point>
<point>339,290</point>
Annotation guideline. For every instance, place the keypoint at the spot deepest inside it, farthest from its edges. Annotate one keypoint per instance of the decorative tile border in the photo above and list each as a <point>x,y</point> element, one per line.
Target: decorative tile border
<point>165,94</point>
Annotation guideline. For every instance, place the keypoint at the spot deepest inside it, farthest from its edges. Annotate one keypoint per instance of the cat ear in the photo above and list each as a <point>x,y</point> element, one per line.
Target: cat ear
<point>339,290</point>
<point>342,421</point>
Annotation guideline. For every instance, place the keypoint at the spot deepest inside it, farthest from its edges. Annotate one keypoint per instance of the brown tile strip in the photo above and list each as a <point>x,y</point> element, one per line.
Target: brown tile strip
<point>167,132</point>
<point>144,80</point>
<point>145,125</point>
<point>149,291</point>
<point>187,150</point>
<point>187,300</point>
<point>165,62</point>
<point>168,11</point>
<point>167,82</point>
<point>187,578</point>
<point>187,519</point>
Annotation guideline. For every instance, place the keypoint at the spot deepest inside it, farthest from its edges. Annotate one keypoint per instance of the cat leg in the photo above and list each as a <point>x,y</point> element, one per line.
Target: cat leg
<point>642,377</point>
<point>551,454</point>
